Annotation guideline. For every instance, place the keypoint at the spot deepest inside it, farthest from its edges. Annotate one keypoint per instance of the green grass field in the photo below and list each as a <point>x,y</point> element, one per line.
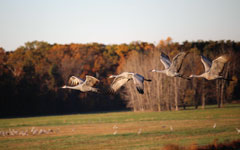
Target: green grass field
<point>95,131</point>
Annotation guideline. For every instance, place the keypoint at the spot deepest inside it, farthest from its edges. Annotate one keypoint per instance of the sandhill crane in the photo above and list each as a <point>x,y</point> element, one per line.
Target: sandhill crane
<point>115,127</point>
<point>172,68</point>
<point>139,131</point>
<point>115,132</point>
<point>84,86</point>
<point>124,77</point>
<point>238,130</point>
<point>212,68</point>
<point>214,125</point>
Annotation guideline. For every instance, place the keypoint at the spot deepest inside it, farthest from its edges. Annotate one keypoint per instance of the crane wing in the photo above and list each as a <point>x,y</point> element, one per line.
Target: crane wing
<point>74,81</point>
<point>218,64</point>
<point>177,61</point>
<point>206,62</point>
<point>165,60</point>
<point>138,81</point>
<point>118,82</point>
<point>90,81</point>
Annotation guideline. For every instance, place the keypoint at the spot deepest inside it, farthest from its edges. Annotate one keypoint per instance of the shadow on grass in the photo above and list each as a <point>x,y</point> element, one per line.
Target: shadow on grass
<point>61,114</point>
<point>191,107</point>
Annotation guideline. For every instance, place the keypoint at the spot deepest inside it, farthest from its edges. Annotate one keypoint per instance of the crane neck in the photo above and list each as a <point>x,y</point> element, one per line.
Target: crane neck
<point>71,87</point>
<point>195,76</point>
<point>159,71</point>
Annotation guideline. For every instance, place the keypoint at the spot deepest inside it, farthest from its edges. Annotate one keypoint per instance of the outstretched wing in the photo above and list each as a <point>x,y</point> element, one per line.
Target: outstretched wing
<point>118,82</point>
<point>138,81</point>
<point>165,60</point>
<point>74,81</point>
<point>90,81</point>
<point>206,62</point>
<point>218,64</point>
<point>177,61</point>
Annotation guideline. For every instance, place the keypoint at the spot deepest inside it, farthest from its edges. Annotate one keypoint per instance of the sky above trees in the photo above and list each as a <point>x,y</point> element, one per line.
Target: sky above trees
<point>115,22</point>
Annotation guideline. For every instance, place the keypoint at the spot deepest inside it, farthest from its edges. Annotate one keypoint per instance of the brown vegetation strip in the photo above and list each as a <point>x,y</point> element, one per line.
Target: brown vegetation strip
<point>233,145</point>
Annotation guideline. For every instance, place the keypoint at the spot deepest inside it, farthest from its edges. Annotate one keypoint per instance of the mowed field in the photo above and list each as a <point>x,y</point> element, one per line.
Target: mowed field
<point>124,130</point>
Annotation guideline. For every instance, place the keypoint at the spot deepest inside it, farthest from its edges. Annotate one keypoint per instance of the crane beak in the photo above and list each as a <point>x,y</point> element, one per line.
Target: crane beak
<point>64,86</point>
<point>151,70</point>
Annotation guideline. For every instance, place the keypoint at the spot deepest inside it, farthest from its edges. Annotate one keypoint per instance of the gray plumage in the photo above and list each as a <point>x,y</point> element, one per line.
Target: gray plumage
<point>212,68</point>
<point>84,86</point>
<point>172,68</point>
<point>124,77</point>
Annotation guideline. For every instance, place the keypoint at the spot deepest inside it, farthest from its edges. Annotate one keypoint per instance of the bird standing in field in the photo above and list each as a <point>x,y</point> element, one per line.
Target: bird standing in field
<point>172,68</point>
<point>115,132</point>
<point>124,77</point>
<point>212,68</point>
<point>84,86</point>
<point>115,127</point>
<point>139,131</point>
<point>214,125</point>
<point>238,130</point>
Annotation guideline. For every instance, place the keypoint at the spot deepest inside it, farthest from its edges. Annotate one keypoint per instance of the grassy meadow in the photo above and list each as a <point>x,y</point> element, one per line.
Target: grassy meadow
<point>124,130</point>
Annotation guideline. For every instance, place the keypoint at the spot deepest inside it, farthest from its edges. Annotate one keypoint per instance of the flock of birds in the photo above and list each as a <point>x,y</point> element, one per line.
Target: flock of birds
<point>172,68</point>
<point>33,131</point>
<point>115,128</point>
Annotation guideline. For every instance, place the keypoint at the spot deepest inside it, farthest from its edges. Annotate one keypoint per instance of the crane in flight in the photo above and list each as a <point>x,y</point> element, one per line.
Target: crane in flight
<point>82,85</point>
<point>124,77</point>
<point>172,68</point>
<point>212,68</point>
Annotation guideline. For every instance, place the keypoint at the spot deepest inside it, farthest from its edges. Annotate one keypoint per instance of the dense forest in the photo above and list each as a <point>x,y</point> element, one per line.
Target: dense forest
<point>31,77</point>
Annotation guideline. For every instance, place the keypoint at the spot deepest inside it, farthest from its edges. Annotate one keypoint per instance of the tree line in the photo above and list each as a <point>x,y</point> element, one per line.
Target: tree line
<point>32,76</point>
